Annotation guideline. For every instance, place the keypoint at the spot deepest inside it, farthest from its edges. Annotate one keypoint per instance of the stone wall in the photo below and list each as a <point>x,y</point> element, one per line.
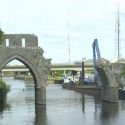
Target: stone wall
<point>20,40</point>
<point>34,60</point>
<point>31,56</point>
<point>109,85</point>
<point>117,69</point>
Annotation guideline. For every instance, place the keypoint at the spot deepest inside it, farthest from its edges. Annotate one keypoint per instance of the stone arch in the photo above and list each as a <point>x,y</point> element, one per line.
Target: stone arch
<point>109,91</point>
<point>25,62</point>
<point>33,58</point>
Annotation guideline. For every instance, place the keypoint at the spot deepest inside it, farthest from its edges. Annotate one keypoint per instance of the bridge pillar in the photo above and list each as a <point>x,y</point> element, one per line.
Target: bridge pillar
<point>40,95</point>
<point>109,91</point>
<point>110,94</point>
<point>32,56</point>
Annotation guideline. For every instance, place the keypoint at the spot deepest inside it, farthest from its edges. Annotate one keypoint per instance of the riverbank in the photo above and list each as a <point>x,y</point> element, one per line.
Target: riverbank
<point>21,77</point>
<point>49,80</point>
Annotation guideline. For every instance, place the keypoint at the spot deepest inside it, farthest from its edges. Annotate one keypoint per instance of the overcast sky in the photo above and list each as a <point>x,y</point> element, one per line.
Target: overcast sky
<point>88,19</point>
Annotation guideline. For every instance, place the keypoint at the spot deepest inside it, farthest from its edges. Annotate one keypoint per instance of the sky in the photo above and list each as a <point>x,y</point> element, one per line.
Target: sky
<point>54,20</point>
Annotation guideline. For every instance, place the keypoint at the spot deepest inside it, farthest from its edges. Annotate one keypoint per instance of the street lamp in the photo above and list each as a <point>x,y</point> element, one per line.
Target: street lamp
<point>83,72</point>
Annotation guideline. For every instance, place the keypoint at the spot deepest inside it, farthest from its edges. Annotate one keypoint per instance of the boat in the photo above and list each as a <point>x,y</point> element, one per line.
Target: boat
<point>70,78</point>
<point>121,92</point>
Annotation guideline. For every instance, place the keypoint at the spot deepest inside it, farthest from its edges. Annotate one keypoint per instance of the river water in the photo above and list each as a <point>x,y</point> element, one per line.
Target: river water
<point>64,107</point>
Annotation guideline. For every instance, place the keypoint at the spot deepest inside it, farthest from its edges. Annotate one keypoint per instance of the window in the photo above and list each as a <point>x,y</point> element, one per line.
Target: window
<point>23,42</point>
<point>7,42</point>
<point>15,43</point>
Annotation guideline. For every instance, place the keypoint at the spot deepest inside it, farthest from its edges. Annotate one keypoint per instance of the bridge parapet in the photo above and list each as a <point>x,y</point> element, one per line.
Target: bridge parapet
<point>20,40</point>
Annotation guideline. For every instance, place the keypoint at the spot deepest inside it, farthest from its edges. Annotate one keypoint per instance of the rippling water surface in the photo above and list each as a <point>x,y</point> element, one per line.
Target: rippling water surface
<point>64,107</point>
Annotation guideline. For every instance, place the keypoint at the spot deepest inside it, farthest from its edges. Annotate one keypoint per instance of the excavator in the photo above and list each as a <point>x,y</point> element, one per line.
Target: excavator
<point>96,57</point>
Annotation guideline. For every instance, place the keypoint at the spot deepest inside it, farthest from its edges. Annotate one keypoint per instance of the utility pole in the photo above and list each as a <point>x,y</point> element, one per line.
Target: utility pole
<point>83,72</point>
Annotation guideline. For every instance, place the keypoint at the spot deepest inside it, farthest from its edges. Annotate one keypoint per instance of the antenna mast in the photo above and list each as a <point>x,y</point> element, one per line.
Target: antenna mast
<point>117,31</point>
<point>68,43</point>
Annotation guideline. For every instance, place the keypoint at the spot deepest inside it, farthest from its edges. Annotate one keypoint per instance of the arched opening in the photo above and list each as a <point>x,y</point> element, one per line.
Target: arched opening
<point>18,70</point>
<point>25,62</point>
<point>33,71</point>
<point>22,93</point>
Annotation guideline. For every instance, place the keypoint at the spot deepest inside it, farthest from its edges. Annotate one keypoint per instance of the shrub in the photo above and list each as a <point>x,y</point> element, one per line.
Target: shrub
<point>122,74</point>
<point>1,36</point>
<point>4,87</point>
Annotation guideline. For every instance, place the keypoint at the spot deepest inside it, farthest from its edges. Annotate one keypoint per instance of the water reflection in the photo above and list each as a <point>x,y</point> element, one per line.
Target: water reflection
<point>83,103</point>
<point>94,102</point>
<point>40,115</point>
<point>99,112</point>
<point>109,110</point>
<point>3,106</point>
<point>63,107</point>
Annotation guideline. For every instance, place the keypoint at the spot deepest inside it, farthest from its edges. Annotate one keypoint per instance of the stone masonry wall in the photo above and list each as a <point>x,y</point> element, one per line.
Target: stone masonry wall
<point>17,40</point>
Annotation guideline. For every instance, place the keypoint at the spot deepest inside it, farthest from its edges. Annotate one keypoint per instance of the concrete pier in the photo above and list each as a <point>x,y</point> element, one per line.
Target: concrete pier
<point>109,94</point>
<point>109,85</point>
<point>40,96</point>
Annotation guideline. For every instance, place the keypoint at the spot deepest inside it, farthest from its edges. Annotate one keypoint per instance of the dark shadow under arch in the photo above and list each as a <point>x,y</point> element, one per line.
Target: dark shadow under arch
<point>103,77</point>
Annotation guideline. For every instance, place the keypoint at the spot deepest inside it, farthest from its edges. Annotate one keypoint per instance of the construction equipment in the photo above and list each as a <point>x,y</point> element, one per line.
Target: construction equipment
<point>96,52</point>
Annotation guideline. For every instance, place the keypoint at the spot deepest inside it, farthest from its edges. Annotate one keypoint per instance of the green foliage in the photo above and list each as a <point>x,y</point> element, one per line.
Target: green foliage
<point>122,73</point>
<point>1,36</point>
<point>58,73</point>
<point>4,87</point>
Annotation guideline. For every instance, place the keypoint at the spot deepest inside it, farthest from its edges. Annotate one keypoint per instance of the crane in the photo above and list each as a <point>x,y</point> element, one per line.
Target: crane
<point>96,52</point>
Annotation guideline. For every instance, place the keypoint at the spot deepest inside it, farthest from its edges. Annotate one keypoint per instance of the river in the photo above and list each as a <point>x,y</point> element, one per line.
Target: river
<point>64,107</point>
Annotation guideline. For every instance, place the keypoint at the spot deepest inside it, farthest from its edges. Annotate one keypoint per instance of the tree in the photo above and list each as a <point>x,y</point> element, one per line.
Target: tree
<point>1,36</point>
<point>5,88</point>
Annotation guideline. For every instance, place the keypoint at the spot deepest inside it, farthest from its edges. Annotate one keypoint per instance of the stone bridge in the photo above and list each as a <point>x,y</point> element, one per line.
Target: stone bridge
<point>108,80</point>
<point>24,47</point>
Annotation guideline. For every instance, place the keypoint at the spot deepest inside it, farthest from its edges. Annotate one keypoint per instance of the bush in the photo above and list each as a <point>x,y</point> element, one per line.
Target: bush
<point>122,74</point>
<point>1,36</point>
<point>4,87</point>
